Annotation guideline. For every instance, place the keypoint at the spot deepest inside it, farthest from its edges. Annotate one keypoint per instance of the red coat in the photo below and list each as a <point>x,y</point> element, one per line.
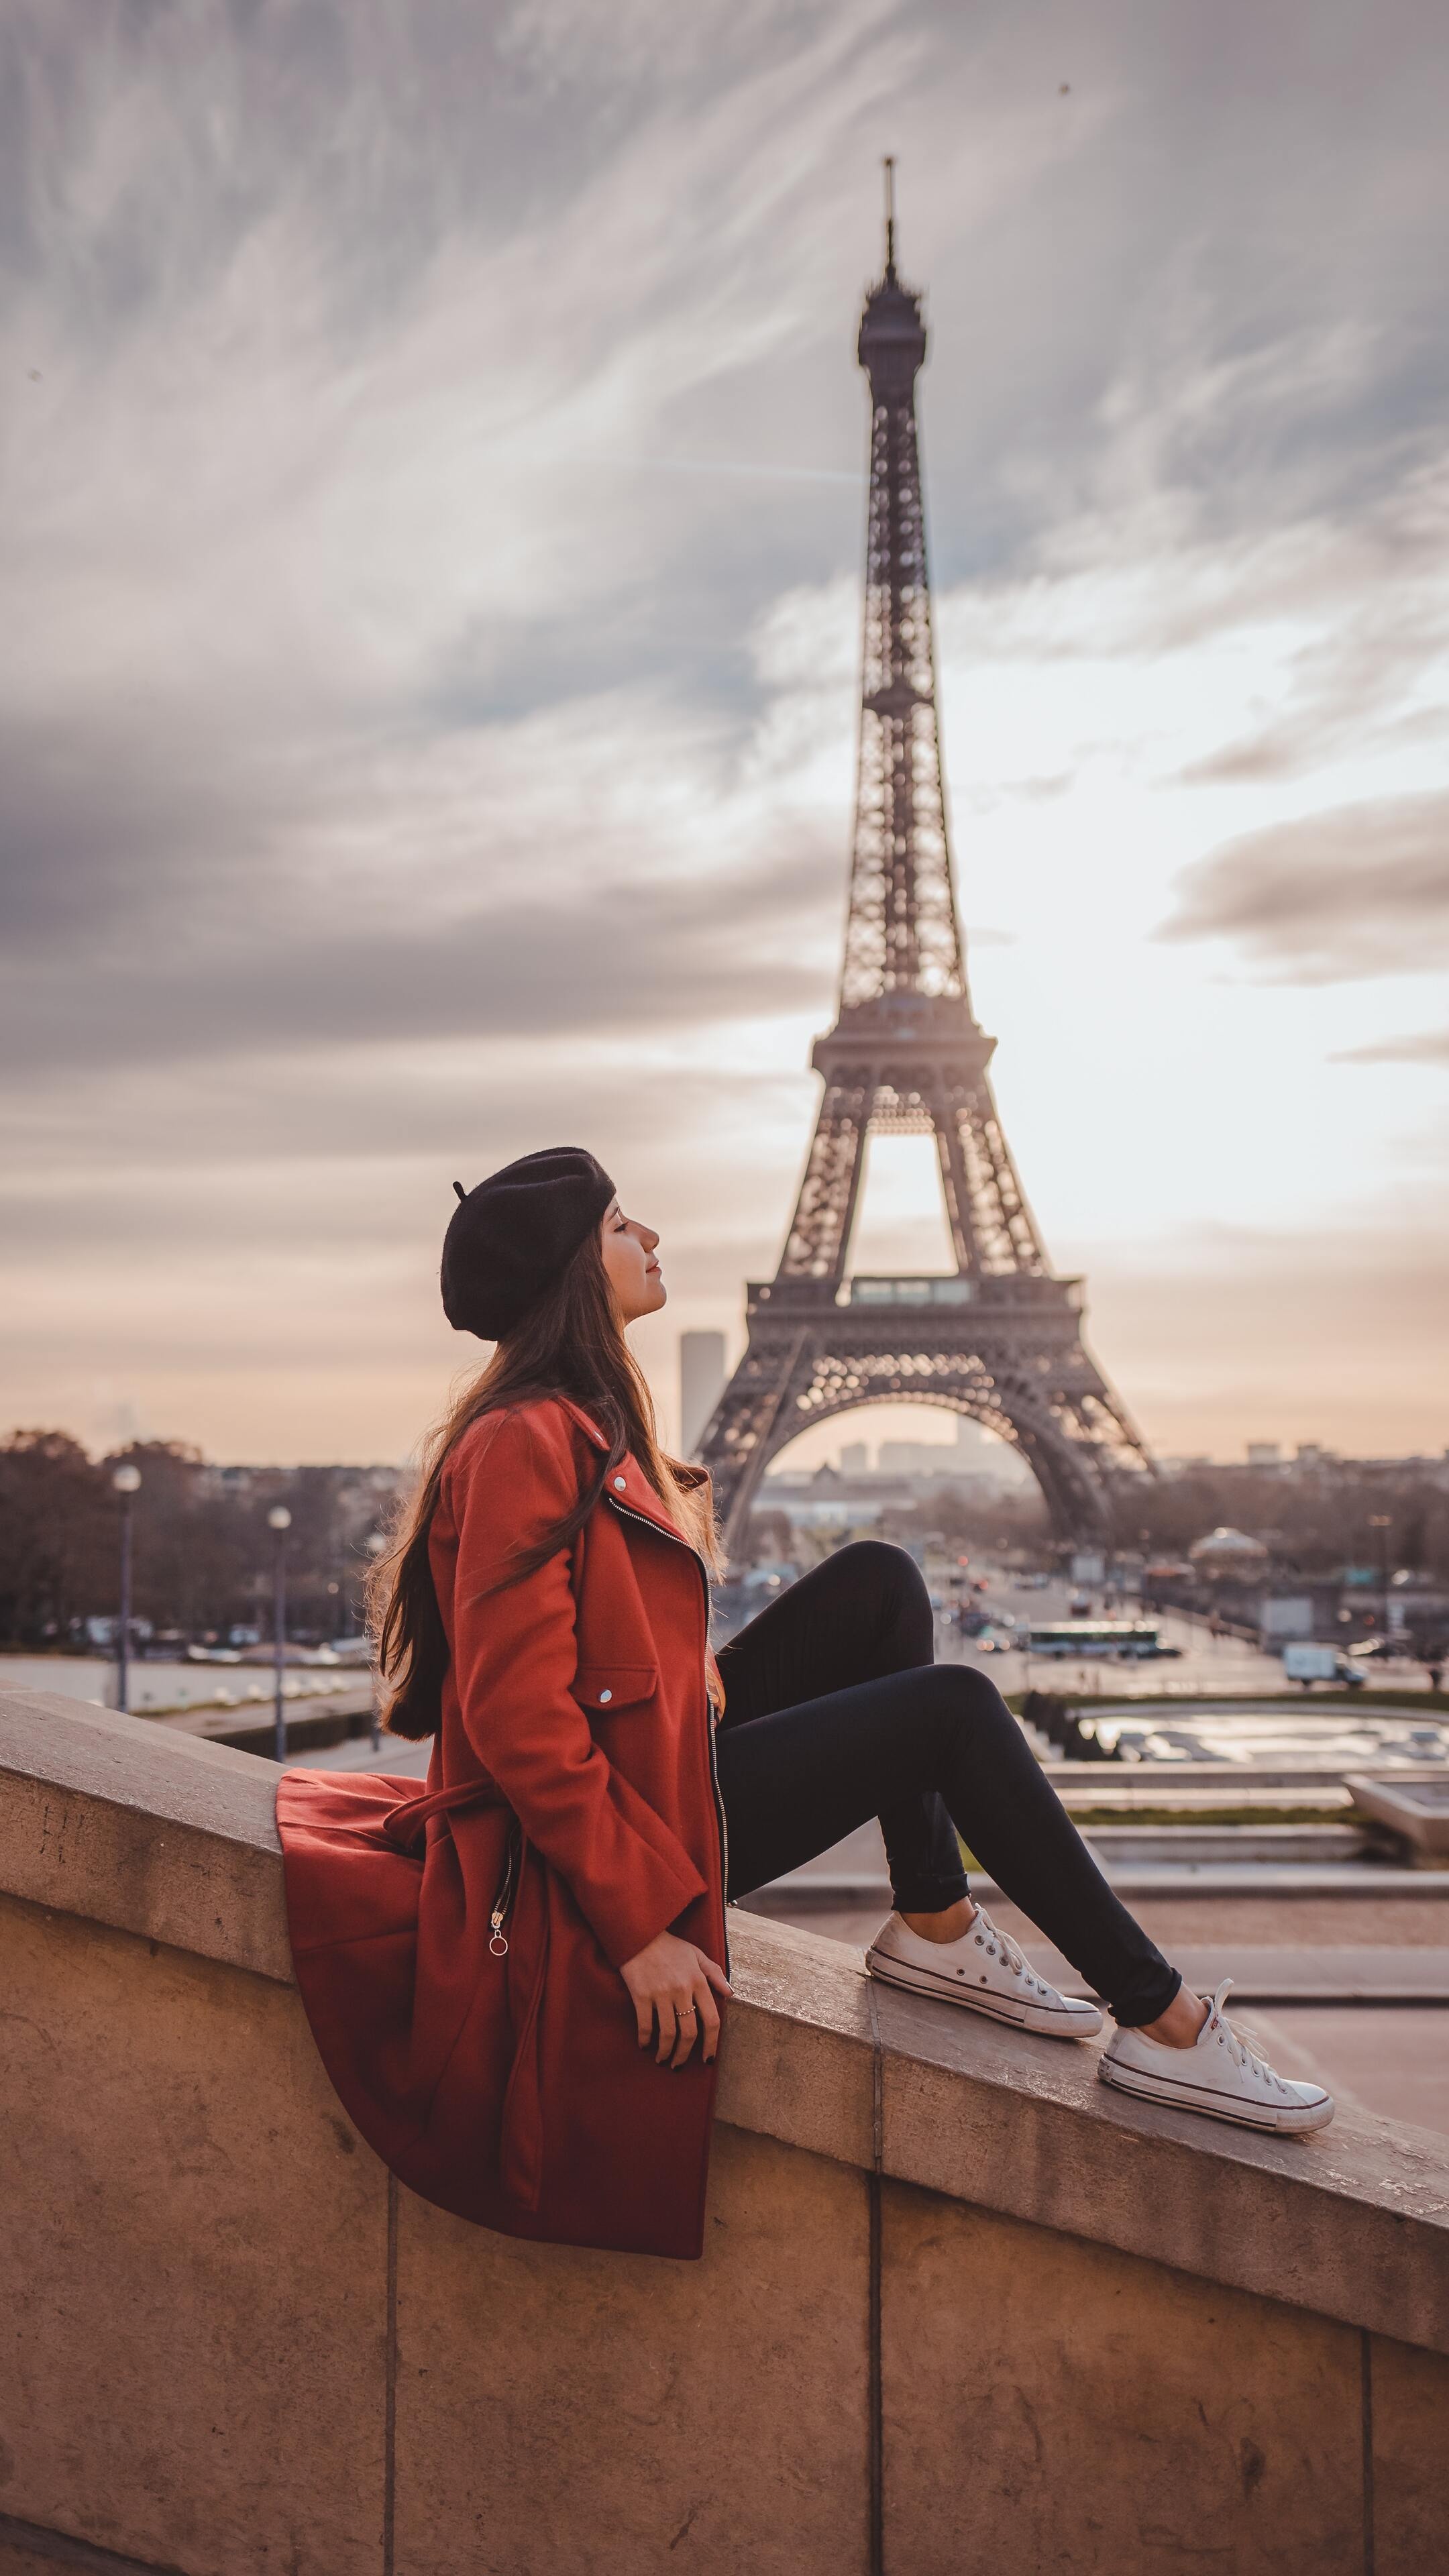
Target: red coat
<point>510,2087</point>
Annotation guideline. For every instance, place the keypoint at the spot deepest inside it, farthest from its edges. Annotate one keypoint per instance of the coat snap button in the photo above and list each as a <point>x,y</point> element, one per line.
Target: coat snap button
<point>606,1694</point>
<point>619,1484</point>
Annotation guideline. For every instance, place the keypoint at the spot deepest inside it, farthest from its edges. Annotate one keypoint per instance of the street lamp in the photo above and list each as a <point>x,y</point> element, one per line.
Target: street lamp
<point>1383,1522</point>
<point>279,1520</point>
<point>375,1547</point>
<point>126,1481</point>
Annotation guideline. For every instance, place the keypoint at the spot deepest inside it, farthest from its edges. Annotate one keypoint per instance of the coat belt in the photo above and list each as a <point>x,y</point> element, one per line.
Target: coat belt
<point>405,1825</point>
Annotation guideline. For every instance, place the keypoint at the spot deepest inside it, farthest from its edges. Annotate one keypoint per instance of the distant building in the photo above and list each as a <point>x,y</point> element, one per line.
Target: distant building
<point>988,1463</point>
<point>855,1459</point>
<point>822,1498</point>
<point>1283,1616</point>
<point>1311,1462</point>
<point>1226,1552</point>
<point>234,1484</point>
<point>701,1384</point>
<point>366,1489</point>
<point>917,1458</point>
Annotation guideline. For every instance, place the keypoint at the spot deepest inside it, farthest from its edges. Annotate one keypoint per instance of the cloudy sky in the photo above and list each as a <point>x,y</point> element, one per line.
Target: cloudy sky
<point>433,487</point>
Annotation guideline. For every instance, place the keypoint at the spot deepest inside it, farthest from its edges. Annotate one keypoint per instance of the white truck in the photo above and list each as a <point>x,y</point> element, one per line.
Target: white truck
<point>1308,1664</point>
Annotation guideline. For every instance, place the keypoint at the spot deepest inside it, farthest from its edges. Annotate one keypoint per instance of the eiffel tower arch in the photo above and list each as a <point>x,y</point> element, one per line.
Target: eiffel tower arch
<point>1000,1337</point>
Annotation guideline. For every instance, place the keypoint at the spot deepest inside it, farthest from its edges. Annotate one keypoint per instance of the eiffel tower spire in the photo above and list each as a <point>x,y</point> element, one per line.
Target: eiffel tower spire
<point>903,934</point>
<point>1001,1338</point>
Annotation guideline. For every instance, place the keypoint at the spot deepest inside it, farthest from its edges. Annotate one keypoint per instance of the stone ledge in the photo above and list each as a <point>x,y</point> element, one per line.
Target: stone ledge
<point>149,1831</point>
<point>175,1840</point>
<point>1413,1804</point>
<point>1353,2224</point>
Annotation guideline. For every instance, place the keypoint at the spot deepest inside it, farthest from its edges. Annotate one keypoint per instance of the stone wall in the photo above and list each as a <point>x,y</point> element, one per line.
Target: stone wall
<point>961,2309</point>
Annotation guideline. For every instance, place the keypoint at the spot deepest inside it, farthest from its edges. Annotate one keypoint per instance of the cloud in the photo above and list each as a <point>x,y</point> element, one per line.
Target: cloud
<point>1430,1047</point>
<point>655,955</point>
<point>1329,898</point>
<point>1236,1333</point>
<point>432,564</point>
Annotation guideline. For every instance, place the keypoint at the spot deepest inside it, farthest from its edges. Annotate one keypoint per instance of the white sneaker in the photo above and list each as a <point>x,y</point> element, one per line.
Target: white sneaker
<point>984,1971</point>
<point>1223,2075</point>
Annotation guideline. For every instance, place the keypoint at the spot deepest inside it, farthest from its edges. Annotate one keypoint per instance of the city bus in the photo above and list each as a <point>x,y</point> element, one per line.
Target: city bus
<point>1078,1637</point>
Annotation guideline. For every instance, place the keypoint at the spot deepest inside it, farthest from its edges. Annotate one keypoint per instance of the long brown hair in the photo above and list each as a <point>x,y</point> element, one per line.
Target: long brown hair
<point>571,1343</point>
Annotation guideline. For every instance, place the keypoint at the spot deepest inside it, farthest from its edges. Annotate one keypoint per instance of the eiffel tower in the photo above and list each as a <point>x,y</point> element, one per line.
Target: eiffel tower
<point>1000,1338</point>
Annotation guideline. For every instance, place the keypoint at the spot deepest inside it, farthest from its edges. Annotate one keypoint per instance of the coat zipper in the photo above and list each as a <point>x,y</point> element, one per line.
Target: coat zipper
<point>721,1827</point>
<point>711,1728</point>
<point>498,1938</point>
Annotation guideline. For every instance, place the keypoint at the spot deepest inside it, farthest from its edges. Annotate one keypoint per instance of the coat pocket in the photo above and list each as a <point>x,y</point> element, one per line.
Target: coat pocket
<point>611,1686</point>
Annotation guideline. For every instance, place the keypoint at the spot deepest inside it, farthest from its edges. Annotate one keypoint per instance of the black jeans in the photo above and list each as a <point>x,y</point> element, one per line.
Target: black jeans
<point>835,1712</point>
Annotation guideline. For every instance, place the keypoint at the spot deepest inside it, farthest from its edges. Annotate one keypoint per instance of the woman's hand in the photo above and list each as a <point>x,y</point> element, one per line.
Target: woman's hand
<point>674,1985</point>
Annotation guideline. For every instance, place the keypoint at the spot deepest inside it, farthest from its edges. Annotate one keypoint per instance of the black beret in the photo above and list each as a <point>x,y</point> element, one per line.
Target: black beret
<point>511,1237</point>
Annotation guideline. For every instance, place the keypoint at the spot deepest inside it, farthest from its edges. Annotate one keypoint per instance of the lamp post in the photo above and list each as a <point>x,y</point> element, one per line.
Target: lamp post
<point>279,1521</point>
<point>1383,1522</point>
<point>126,1482</point>
<point>375,1547</point>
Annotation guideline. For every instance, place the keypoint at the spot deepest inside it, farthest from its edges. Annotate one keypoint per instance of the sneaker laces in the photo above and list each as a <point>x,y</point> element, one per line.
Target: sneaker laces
<point>999,1944</point>
<point>1243,2046</point>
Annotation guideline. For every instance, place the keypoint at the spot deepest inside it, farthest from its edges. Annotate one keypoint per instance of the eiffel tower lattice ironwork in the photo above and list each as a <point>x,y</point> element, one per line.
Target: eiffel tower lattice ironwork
<point>1000,1338</point>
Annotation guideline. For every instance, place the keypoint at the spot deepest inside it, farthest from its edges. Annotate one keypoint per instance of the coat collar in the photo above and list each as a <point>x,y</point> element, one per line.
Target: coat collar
<point>585,1421</point>
<point>627,1486</point>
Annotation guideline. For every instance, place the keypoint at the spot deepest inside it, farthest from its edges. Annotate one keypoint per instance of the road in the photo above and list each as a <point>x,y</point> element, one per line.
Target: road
<point>1210,1667</point>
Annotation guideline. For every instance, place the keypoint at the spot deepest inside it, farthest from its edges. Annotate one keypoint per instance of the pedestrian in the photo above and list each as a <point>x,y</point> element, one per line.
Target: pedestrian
<point>516,1977</point>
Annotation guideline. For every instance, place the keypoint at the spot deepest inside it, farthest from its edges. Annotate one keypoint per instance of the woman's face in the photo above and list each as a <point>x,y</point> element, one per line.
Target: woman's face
<point>634,1275</point>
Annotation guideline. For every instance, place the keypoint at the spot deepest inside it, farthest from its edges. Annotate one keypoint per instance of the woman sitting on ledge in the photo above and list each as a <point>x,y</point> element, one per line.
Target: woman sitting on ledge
<point>516,1978</point>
